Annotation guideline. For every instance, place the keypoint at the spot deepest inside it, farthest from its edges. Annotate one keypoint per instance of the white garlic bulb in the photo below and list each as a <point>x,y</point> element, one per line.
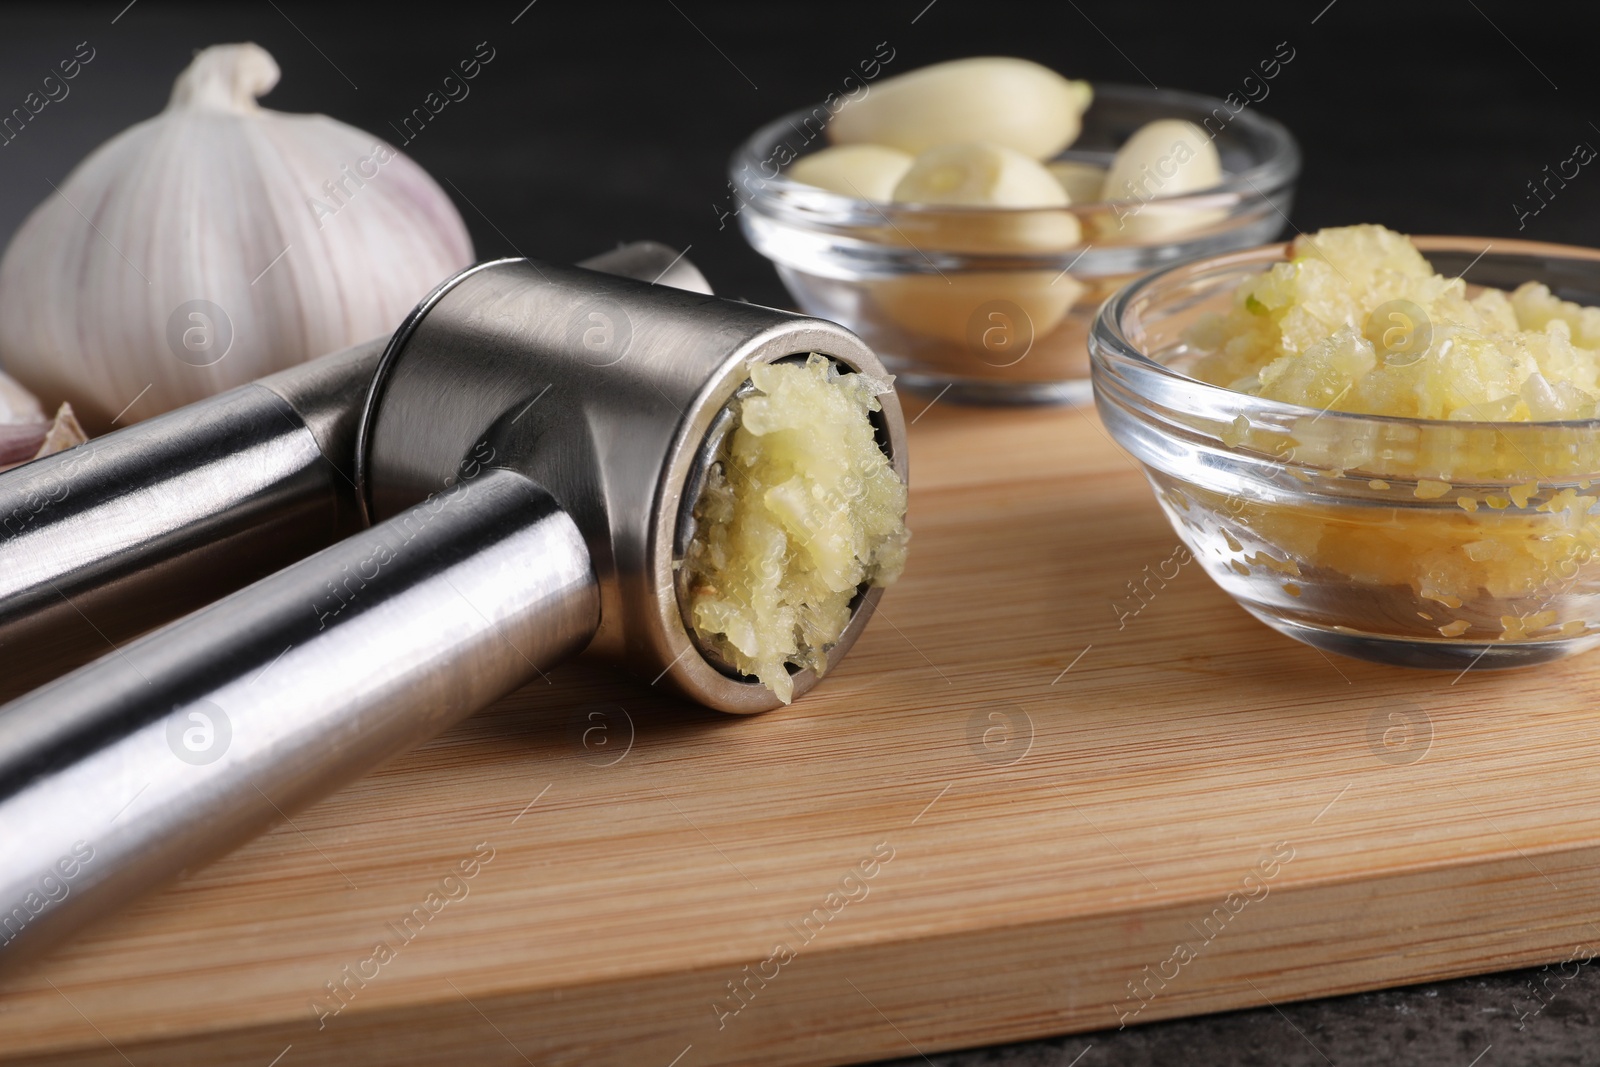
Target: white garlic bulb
<point>213,244</point>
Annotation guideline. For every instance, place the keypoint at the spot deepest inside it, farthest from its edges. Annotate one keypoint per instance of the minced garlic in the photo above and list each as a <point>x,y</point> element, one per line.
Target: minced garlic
<point>1358,321</point>
<point>801,511</point>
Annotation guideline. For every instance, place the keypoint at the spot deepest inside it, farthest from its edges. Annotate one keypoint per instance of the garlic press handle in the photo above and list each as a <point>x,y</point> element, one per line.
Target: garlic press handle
<point>192,739</point>
<point>129,530</point>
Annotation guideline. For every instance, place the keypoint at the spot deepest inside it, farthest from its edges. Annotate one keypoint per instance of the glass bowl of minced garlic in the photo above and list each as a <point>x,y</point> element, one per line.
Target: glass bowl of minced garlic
<point>1383,446</point>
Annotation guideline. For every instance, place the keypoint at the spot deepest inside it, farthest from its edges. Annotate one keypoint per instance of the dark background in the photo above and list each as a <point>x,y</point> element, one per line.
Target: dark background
<point>603,122</point>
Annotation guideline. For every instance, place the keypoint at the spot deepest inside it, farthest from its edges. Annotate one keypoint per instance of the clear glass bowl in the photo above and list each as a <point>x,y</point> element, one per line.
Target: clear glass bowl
<point>1353,532</point>
<point>993,305</point>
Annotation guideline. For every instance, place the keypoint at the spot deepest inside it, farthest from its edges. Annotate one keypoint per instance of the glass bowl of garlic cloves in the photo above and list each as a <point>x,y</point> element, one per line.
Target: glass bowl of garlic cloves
<point>968,218</point>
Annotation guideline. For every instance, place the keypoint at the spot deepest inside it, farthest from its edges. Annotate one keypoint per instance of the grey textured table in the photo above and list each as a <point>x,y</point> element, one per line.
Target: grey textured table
<point>1549,1017</point>
<point>610,122</point>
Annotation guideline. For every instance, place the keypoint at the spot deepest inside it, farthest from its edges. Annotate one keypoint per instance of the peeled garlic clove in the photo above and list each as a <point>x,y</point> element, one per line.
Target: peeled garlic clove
<point>863,171</point>
<point>978,174</point>
<point>992,318</point>
<point>984,175</point>
<point>228,241</point>
<point>1169,157</point>
<point>1082,181</point>
<point>1012,102</point>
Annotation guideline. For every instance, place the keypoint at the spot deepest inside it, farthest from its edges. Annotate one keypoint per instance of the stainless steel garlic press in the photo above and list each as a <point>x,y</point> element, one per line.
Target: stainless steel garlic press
<point>530,448</point>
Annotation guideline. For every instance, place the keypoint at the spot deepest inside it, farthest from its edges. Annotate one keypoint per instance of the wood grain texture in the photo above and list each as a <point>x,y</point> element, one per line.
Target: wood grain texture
<point>1054,832</point>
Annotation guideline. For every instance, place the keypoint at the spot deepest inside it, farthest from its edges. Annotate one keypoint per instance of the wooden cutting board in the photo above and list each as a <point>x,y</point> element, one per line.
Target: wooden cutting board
<point>1010,813</point>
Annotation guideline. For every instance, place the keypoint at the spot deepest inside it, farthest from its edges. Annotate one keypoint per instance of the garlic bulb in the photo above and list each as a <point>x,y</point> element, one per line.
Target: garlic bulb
<point>214,243</point>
